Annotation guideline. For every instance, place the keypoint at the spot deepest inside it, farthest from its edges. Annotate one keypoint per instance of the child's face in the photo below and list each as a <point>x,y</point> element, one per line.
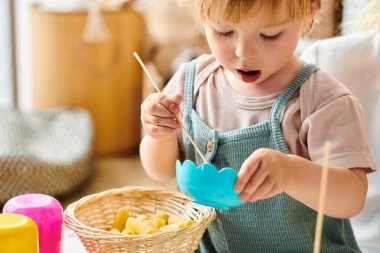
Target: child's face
<point>251,50</point>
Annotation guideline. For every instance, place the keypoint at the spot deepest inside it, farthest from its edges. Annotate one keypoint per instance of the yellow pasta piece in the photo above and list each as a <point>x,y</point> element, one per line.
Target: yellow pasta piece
<point>138,227</point>
<point>142,217</point>
<point>127,231</point>
<point>162,215</point>
<point>171,227</point>
<point>159,222</point>
<point>150,224</point>
<point>120,219</point>
<point>179,219</point>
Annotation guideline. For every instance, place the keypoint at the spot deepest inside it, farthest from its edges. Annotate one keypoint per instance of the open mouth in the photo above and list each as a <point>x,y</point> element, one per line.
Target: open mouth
<point>249,76</point>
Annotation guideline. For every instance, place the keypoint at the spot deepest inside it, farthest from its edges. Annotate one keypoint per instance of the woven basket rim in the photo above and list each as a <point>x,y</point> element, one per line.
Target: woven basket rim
<point>73,223</point>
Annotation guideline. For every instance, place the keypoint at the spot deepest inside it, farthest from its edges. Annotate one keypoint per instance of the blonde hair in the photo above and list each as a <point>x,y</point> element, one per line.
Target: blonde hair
<point>369,17</point>
<point>233,11</point>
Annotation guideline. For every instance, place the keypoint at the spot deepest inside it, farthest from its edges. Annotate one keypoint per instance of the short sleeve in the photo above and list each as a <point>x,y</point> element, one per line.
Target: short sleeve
<point>176,83</point>
<point>339,120</point>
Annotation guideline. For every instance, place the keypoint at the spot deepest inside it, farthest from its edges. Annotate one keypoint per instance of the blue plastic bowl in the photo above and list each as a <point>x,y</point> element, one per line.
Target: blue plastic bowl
<point>208,186</point>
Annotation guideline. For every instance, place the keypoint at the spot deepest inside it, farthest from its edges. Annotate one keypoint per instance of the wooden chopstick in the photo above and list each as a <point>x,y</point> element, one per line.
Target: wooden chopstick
<point>322,196</point>
<point>176,116</point>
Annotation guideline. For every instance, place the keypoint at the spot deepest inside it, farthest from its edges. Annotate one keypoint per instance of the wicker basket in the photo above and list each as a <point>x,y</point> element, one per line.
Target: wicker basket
<point>90,216</point>
<point>45,152</point>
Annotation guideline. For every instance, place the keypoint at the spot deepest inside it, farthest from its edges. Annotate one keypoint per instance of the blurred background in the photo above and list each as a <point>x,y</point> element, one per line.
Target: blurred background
<point>70,88</point>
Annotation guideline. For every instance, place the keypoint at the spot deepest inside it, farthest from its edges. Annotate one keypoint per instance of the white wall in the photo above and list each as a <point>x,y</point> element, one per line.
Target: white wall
<point>22,8</point>
<point>5,56</point>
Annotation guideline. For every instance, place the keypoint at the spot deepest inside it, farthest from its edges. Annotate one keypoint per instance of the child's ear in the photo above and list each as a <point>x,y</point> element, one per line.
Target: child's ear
<point>314,8</point>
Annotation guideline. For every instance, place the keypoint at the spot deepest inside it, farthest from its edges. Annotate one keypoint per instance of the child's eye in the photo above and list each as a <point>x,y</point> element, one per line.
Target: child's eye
<point>271,37</point>
<point>224,34</point>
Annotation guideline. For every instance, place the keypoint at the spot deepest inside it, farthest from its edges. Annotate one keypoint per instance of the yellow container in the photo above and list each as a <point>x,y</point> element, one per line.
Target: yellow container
<point>18,234</point>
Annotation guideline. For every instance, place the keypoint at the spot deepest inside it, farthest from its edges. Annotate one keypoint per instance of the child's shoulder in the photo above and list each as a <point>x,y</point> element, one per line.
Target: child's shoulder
<point>321,89</point>
<point>204,60</point>
<point>206,64</point>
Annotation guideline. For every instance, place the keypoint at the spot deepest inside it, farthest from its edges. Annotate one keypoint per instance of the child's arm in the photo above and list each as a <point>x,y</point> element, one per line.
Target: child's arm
<point>346,188</point>
<point>268,172</point>
<point>159,148</point>
<point>159,157</point>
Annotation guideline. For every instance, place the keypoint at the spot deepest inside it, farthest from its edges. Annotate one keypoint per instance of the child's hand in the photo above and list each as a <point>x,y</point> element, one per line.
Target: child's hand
<point>264,174</point>
<point>158,115</point>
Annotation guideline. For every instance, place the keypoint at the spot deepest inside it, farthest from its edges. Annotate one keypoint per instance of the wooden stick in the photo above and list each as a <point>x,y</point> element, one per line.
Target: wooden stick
<point>176,116</point>
<point>322,196</point>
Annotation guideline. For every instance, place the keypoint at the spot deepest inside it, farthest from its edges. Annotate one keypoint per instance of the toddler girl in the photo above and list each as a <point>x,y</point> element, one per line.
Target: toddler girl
<point>254,106</point>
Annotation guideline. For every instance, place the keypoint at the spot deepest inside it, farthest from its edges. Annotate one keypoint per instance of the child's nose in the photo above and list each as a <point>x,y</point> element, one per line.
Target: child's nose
<point>246,50</point>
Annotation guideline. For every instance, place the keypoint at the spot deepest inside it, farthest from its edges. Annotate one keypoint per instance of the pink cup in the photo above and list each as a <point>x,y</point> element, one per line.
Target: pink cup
<point>46,212</point>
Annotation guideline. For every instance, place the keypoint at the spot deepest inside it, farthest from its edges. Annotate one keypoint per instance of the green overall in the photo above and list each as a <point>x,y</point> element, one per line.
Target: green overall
<point>278,224</point>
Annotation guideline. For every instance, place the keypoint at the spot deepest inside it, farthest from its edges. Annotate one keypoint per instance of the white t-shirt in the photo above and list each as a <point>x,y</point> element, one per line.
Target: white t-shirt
<point>323,110</point>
